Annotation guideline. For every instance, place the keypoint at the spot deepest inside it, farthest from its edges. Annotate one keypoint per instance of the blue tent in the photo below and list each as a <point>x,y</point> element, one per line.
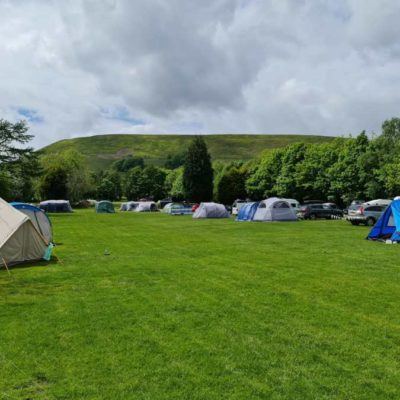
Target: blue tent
<point>388,225</point>
<point>247,211</point>
<point>38,217</point>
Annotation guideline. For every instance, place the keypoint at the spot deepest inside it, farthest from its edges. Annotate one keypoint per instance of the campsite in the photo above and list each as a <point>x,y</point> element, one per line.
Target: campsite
<point>199,200</point>
<point>242,310</point>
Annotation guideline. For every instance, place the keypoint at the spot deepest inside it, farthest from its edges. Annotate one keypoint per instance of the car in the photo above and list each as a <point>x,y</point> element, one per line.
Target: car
<point>366,213</point>
<point>294,204</point>
<point>314,211</point>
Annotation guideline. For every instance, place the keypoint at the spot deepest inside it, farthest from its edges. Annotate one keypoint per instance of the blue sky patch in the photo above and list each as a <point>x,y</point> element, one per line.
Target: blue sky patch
<point>30,115</point>
<point>121,114</point>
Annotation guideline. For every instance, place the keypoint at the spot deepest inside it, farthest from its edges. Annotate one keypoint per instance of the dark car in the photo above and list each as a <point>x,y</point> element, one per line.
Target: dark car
<point>314,211</point>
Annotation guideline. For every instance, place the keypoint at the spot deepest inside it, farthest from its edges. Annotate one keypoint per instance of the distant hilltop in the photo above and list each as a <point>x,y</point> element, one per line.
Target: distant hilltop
<point>101,151</point>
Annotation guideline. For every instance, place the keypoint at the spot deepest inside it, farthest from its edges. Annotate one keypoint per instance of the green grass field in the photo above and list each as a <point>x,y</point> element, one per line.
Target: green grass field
<point>202,309</point>
<point>101,150</point>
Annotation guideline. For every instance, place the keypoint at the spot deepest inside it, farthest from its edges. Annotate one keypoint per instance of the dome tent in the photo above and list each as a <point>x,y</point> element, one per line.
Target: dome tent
<point>38,217</point>
<point>104,207</point>
<point>274,209</point>
<point>211,210</point>
<point>19,240</point>
<point>56,206</point>
<point>387,228</point>
<point>247,211</point>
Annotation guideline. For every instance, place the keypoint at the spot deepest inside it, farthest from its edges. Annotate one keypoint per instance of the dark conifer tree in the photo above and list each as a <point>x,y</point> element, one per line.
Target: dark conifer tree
<point>198,172</point>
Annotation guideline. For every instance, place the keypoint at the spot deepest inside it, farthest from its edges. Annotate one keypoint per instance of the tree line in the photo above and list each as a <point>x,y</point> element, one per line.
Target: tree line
<point>340,171</point>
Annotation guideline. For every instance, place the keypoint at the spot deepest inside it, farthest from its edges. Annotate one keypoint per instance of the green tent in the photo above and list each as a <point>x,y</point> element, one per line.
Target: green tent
<point>104,206</point>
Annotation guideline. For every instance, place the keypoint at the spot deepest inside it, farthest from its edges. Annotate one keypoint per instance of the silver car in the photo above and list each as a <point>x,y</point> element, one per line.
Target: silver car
<point>365,214</point>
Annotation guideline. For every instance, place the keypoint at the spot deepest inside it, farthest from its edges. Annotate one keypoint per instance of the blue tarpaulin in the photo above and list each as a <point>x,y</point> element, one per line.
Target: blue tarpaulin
<point>247,211</point>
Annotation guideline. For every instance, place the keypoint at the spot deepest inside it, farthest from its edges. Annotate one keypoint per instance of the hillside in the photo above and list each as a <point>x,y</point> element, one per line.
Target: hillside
<point>101,150</point>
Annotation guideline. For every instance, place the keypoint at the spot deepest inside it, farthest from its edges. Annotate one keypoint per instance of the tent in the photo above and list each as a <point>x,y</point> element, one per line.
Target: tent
<point>139,206</point>
<point>19,239</point>
<point>144,206</point>
<point>38,217</point>
<point>105,207</point>
<point>60,206</point>
<point>177,209</point>
<point>211,210</point>
<point>388,225</point>
<point>247,211</point>
<point>274,209</point>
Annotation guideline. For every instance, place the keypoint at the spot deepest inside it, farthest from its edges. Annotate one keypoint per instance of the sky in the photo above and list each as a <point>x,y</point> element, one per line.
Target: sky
<point>83,67</point>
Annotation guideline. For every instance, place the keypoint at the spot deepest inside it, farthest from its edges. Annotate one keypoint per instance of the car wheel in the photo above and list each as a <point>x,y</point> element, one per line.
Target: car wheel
<point>370,221</point>
<point>313,216</point>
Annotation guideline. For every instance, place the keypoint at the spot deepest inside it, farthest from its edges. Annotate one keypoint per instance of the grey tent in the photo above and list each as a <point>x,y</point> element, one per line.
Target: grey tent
<point>274,209</point>
<point>211,210</point>
<point>20,241</point>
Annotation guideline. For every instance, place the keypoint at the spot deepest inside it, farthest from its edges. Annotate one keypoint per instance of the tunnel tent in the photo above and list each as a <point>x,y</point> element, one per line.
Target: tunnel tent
<point>247,211</point>
<point>274,209</point>
<point>56,206</point>
<point>144,206</point>
<point>38,217</point>
<point>211,210</point>
<point>20,241</point>
<point>104,207</point>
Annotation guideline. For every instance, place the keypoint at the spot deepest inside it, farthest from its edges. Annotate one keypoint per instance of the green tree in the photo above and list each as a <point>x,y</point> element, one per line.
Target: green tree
<point>231,184</point>
<point>18,165</point>
<point>286,185</point>
<point>198,172</point>
<point>175,160</point>
<point>78,176</point>
<point>10,135</point>
<point>149,182</point>
<point>109,187</point>
<point>263,175</point>
<point>54,184</point>
<point>153,182</point>
<point>132,188</point>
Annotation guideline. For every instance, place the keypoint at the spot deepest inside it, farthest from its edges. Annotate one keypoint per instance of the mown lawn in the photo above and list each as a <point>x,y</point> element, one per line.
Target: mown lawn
<point>202,309</point>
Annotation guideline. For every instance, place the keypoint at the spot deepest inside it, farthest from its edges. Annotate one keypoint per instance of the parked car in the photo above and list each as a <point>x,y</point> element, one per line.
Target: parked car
<point>367,213</point>
<point>294,204</point>
<point>352,204</point>
<point>314,211</point>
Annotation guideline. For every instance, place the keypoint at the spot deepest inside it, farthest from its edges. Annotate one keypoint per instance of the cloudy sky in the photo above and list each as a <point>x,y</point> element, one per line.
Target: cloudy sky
<point>83,67</point>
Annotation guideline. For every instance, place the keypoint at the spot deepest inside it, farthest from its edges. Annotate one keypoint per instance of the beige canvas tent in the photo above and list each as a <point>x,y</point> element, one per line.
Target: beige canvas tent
<point>19,239</point>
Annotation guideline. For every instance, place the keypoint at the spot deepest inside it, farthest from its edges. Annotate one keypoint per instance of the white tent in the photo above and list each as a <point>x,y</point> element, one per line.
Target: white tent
<point>211,210</point>
<point>19,239</point>
<point>139,206</point>
<point>146,206</point>
<point>274,209</point>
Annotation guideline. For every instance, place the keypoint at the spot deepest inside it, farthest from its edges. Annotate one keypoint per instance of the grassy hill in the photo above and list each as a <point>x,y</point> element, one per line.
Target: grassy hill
<point>101,150</point>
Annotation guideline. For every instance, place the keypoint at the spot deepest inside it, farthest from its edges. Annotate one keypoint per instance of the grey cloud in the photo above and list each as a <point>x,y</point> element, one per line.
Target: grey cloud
<point>288,66</point>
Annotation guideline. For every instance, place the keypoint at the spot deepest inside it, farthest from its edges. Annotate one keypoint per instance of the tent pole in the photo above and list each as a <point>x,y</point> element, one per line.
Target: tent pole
<point>5,265</point>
